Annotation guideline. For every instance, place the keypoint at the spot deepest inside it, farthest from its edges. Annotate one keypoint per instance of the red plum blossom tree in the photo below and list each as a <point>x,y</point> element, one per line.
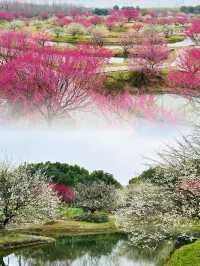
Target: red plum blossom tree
<point>187,74</point>
<point>52,83</point>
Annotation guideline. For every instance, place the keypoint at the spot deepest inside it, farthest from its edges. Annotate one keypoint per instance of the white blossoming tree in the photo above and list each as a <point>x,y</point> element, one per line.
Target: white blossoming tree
<point>148,214</point>
<point>157,207</point>
<point>95,197</point>
<point>25,197</point>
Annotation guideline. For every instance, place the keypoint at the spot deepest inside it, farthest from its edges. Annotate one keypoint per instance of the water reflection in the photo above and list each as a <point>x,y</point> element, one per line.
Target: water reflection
<point>106,250</point>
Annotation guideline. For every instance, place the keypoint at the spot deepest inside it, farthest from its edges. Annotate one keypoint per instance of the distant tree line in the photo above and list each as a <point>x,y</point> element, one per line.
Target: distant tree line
<point>191,9</point>
<point>72,175</point>
<point>36,8</point>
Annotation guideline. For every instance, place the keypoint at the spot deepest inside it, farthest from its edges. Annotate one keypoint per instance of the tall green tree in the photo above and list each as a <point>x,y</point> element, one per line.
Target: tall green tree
<point>71,175</point>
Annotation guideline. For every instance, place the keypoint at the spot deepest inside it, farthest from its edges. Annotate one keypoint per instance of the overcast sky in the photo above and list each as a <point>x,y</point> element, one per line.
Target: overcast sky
<point>142,3</point>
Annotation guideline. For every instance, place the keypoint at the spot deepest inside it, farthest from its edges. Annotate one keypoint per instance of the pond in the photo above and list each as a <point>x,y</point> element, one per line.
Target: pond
<point>117,60</point>
<point>96,141</point>
<point>185,43</point>
<point>100,250</point>
<point>58,44</point>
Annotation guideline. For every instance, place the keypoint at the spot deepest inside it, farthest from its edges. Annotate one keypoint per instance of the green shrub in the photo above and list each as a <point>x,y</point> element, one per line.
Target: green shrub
<point>97,217</point>
<point>152,175</point>
<point>138,79</point>
<point>114,86</point>
<point>51,222</point>
<point>116,81</point>
<point>72,39</point>
<point>119,28</point>
<point>174,39</point>
<point>71,212</point>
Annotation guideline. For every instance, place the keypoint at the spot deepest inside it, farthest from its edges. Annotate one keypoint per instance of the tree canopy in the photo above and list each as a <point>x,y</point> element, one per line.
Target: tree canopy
<point>71,175</point>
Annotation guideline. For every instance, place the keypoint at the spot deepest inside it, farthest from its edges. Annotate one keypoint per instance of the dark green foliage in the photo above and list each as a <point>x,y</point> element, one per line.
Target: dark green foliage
<point>190,9</point>
<point>71,175</point>
<point>101,11</point>
<point>157,175</point>
<point>116,7</point>
<point>71,212</point>
<point>114,86</point>
<point>72,39</point>
<point>152,175</point>
<point>138,79</point>
<point>134,180</point>
<point>175,39</point>
<point>101,176</point>
<point>97,217</point>
<point>148,174</point>
<point>117,82</point>
<point>119,28</point>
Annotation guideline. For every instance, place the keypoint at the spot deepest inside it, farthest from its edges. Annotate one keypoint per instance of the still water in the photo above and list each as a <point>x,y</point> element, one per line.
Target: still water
<point>102,250</point>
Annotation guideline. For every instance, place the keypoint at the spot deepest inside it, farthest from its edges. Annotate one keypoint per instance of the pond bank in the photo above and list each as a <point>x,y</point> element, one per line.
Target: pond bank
<point>69,228</point>
<point>36,235</point>
<point>15,241</point>
<point>29,235</point>
<point>188,255</point>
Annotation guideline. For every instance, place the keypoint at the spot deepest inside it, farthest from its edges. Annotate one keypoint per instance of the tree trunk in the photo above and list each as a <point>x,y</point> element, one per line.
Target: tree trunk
<point>4,223</point>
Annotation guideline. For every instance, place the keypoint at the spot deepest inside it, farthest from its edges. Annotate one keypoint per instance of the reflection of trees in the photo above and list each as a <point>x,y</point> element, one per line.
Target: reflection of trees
<point>66,250</point>
<point>154,256</point>
<point>106,250</point>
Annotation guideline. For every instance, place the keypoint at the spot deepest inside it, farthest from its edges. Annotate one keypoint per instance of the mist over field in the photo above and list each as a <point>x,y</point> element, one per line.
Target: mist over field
<point>123,147</point>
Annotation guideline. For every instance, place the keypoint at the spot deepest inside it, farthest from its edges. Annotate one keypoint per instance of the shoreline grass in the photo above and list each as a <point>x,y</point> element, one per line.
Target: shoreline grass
<point>11,240</point>
<point>188,255</point>
<point>69,227</point>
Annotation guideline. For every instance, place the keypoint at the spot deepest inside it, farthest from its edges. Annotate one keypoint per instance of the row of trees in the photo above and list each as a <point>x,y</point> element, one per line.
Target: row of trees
<point>190,9</point>
<point>30,195</point>
<point>34,9</point>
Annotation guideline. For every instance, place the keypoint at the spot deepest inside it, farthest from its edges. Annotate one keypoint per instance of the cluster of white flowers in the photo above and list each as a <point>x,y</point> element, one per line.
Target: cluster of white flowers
<point>149,214</point>
<point>25,197</point>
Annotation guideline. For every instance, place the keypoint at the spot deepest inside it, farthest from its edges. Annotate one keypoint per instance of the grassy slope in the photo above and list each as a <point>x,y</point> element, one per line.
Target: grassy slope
<point>188,255</point>
<point>70,228</point>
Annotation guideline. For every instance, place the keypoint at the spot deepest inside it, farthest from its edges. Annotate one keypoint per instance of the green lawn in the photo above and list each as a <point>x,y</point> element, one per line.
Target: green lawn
<point>83,39</point>
<point>188,255</point>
